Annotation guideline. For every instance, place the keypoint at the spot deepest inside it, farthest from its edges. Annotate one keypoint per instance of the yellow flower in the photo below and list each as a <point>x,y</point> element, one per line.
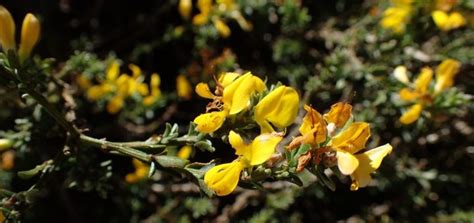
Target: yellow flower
<point>185,8</point>
<point>30,32</point>
<point>412,114</point>
<point>141,171</point>
<point>313,127</point>
<point>210,122</point>
<point>223,178</point>
<point>7,32</point>
<point>420,93</point>
<point>185,152</point>
<point>445,74</point>
<point>222,28</point>
<point>347,144</point>
<point>154,89</point>
<point>204,7</point>
<point>236,94</point>
<point>279,108</point>
<point>183,87</point>
<point>352,139</point>
<point>396,17</point>
<point>369,161</point>
<point>339,114</point>
<point>115,104</point>
<point>446,21</point>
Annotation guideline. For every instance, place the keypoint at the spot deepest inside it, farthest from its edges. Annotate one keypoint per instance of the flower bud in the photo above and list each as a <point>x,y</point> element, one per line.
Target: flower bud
<point>7,30</point>
<point>30,32</point>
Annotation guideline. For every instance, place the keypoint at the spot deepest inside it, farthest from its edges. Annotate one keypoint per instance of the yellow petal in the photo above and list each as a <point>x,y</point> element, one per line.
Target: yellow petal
<point>369,162</point>
<point>313,126</point>
<point>412,114</point>
<point>353,138</point>
<point>136,71</point>
<point>263,147</point>
<point>7,34</point>
<point>185,152</point>
<point>395,18</point>
<point>445,74</point>
<point>423,81</point>
<point>202,89</point>
<point>210,122</point>
<point>113,71</point>
<point>200,19</point>
<point>141,172</point>
<point>346,162</point>
<point>115,105</point>
<point>185,8</point>
<point>236,142</point>
<point>236,96</point>
<point>222,28</point>
<point>408,95</point>
<point>400,73</point>
<point>456,20</point>
<point>339,114</point>
<point>183,87</point>
<point>227,78</point>
<point>96,92</point>
<point>223,178</point>
<point>279,107</point>
<point>30,32</point>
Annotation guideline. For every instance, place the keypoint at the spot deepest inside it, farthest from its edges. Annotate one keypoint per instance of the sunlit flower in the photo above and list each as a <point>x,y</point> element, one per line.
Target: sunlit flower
<point>278,108</point>
<point>183,87</point>
<point>141,171</point>
<point>223,178</point>
<point>446,22</point>
<point>347,144</point>
<point>232,96</point>
<point>397,16</point>
<point>419,92</point>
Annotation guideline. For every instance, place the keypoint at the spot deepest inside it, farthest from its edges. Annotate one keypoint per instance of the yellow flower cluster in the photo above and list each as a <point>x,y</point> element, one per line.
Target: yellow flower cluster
<point>215,13</point>
<point>232,96</point>
<point>444,19</point>
<point>419,92</point>
<point>320,132</point>
<point>398,15</point>
<point>30,33</point>
<point>116,87</point>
